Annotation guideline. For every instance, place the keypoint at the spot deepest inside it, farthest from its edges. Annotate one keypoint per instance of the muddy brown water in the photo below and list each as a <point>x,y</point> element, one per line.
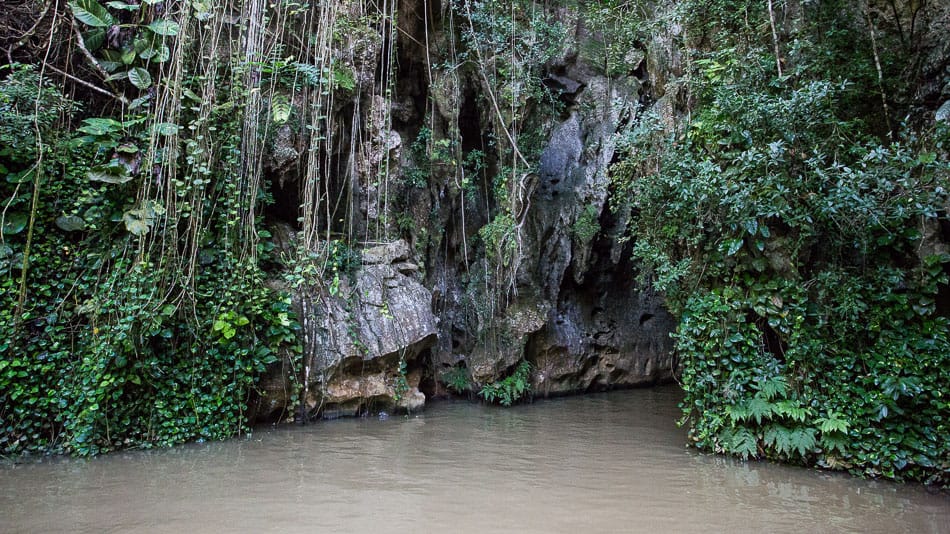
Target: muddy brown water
<point>611,462</point>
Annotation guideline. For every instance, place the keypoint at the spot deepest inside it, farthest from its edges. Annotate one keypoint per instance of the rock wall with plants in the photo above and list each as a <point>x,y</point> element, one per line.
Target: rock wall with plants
<point>218,212</point>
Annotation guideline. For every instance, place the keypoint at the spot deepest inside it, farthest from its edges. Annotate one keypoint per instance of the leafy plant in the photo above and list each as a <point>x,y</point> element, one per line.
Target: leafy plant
<point>457,379</point>
<point>586,226</point>
<point>511,388</point>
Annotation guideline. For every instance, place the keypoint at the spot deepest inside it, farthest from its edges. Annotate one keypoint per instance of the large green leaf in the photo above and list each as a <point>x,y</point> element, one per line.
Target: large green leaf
<point>100,126</point>
<point>94,39</point>
<point>114,4</point>
<point>92,13</point>
<point>70,223</point>
<point>166,128</point>
<point>135,223</point>
<point>165,27</point>
<point>158,54</point>
<point>14,223</point>
<point>21,177</point>
<point>140,77</point>
<point>110,174</point>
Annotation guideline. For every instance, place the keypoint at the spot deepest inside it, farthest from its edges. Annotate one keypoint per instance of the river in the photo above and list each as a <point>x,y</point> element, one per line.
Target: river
<point>611,462</point>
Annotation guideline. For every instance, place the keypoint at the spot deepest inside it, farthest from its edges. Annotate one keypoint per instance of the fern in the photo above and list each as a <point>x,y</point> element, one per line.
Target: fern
<point>737,412</point>
<point>512,388</point>
<point>760,409</point>
<point>741,442</point>
<point>757,408</point>
<point>833,423</point>
<point>779,438</point>
<point>312,74</point>
<point>772,387</point>
<point>832,441</point>
<point>803,440</point>
<point>792,409</point>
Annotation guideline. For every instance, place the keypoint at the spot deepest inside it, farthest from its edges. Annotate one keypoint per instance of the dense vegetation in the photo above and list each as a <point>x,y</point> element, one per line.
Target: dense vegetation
<point>789,217</point>
<point>133,309</point>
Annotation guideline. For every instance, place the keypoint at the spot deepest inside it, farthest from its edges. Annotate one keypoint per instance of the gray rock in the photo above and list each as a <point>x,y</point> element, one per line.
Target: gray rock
<point>387,253</point>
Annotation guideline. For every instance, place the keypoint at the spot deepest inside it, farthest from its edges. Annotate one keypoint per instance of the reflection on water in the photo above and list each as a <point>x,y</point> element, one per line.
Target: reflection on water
<point>604,463</point>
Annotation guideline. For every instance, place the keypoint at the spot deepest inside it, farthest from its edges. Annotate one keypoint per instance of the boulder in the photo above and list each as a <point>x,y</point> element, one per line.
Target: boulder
<point>360,343</point>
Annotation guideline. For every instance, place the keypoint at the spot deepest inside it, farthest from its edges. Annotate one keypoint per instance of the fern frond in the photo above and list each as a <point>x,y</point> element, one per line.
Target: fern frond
<point>803,440</point>
<point>772,387</point>
<point>741,442</point>
<point>779,438</point>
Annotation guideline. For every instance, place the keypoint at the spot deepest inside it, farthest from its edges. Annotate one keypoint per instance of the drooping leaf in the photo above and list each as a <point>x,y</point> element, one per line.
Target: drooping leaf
<point>759,408</point>
<point>135,222</point>
<point>100,126</point>
<point>833,423</point>
<point>791,409</point>
<point>92,13</point>
<point>14,223</point>
<point>94,39</point>
<point>157,54</point>
<point>166,128</point>
<point>834,441</point>
<point>140,77</point>
<point>110,174</point>
<point>772,387</point>
<point>122,6</point>
<point>140,101</point>
<point>165,27</point>
<point>70,223</point>
<point>741,442</point>
<point>737,412</point>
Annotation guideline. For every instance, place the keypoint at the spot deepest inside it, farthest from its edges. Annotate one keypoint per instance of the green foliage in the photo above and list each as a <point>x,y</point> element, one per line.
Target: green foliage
<point>587,224</point>
<point>401,386</point>
<point>500,238</point>
<point>619,27</point>
<point>511,388</point>
<point>457,379</point>
<point>786,237</point>
<point>106,353</point>
<point>129,58</point>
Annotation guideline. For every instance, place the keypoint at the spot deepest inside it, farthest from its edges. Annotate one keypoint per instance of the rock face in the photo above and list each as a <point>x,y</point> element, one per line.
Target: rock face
<point>360,338</point>
<point>553,285</point>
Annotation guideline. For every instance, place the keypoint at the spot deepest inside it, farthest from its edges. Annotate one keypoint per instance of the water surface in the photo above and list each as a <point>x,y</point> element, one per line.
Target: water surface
<point>604,463</point>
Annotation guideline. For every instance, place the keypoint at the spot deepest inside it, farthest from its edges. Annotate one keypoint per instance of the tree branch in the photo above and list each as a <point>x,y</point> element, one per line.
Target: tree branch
<point>84,83</point>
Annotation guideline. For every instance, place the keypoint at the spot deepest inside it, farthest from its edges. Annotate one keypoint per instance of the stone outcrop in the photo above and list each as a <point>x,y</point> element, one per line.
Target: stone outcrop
<point>360,338</point>
<point>432,299</point>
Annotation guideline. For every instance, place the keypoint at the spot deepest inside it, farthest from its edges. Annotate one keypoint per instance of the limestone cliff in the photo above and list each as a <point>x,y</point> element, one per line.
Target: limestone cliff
<point>484,178</point>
